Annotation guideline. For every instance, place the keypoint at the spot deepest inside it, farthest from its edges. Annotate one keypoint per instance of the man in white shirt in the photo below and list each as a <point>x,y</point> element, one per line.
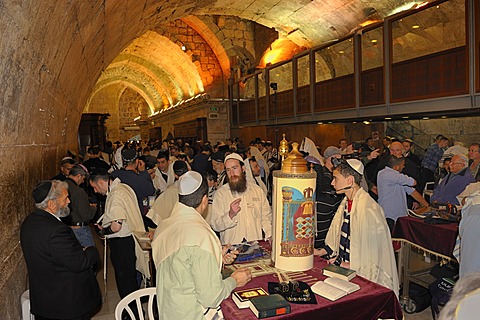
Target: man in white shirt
<point>240,209</point>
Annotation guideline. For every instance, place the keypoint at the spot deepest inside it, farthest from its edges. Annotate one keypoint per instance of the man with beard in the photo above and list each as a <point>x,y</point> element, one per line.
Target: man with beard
<point>61,275</point>
<point>240,209</point>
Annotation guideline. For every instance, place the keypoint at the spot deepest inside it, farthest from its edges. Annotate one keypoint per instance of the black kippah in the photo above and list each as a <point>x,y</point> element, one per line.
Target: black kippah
<point>41,190</point>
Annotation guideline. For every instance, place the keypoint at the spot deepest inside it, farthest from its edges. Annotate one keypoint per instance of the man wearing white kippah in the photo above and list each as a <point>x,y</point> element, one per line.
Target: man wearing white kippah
<point>359,237</point>
<point>188,257</point>
<point>240,208</point>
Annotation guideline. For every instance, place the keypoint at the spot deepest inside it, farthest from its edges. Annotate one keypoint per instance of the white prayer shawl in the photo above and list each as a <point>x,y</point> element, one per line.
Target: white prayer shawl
<point>163,205</point>
<point>122,204</point>
<point>469,190</point>
<point>309,146</point>
<point>466,250</point>
<point>371,250</point>
<point>185,227</point>
<point>118,156</point>
<point>160,183</point>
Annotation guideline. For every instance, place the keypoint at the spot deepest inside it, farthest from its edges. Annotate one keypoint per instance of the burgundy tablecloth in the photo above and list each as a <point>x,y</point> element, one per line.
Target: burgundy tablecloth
<point>438,238</point>
<point>372,301</point>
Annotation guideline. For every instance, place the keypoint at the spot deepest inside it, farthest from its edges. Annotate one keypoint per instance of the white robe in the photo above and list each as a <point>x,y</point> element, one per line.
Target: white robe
<point>159,183</point>
<point>371,250</point>
<point>163,205</point>
<point>188,257</point>
<point>122,204</point>
<point>255,215</point>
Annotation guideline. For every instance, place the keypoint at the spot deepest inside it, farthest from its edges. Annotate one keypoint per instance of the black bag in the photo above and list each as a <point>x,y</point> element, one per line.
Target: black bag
<point>419,296</point>
<point>441,291</point>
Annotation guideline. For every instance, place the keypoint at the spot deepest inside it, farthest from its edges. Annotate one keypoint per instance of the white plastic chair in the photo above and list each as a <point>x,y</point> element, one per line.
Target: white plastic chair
<point>428,190</point>
<point>123,305</point>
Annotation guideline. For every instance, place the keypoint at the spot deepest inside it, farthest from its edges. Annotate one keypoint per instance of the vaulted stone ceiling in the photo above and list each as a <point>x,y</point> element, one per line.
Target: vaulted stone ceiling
<point>155,66</point>
<point>55,54</point>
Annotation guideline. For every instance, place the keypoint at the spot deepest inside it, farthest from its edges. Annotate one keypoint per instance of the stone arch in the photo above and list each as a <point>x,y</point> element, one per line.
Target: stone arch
<point>215,38</point>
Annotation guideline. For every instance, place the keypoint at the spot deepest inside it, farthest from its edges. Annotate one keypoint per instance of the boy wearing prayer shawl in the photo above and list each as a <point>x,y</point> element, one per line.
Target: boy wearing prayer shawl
<point>359,237</point>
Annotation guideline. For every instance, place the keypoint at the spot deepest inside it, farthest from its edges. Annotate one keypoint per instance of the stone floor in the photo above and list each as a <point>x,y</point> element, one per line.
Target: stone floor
<point>111,298</point>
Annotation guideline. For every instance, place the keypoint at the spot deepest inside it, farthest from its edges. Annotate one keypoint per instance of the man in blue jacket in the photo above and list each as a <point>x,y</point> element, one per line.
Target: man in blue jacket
<point>455,182</point>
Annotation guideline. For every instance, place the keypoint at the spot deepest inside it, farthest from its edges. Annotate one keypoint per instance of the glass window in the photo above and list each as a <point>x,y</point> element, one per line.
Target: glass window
<point>334,61</point>
<point>303,64</point>
<point>437,28</point>
<point>248,88</point>
<point>372,49</point>
<point>282,76</point>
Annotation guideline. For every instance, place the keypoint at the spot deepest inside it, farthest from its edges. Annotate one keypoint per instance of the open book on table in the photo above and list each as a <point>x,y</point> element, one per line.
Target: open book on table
<point>334,288</point>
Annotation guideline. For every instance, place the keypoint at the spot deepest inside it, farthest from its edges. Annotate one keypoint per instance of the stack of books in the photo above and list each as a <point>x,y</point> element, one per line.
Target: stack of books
<point>339,272</point>
<point>261,303</point>
<point>242,297</point>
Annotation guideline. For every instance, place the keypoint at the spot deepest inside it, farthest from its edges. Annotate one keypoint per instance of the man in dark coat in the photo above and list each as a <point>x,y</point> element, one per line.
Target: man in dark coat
<point>61,275</point>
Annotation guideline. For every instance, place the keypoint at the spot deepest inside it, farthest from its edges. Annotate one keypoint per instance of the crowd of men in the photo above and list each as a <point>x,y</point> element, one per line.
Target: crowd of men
<point>195,201</point>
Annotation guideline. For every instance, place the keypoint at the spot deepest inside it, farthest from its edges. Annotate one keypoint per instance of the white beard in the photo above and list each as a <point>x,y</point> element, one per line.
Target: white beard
<point>63,212</point>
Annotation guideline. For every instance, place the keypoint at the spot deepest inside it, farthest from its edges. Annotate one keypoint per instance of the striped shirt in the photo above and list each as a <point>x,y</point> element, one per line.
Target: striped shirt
<point>344,248</point>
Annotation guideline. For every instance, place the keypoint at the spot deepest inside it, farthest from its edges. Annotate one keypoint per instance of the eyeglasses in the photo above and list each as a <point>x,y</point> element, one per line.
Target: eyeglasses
<point>473,150</point>
<point>458,163</point>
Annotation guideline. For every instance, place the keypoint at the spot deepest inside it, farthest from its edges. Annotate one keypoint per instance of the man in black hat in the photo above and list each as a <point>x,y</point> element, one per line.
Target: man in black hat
<point>219,167</point>
<point>95,160</point>
<point>140,182</point>
<point>201,161</point>
<point>61,272</point>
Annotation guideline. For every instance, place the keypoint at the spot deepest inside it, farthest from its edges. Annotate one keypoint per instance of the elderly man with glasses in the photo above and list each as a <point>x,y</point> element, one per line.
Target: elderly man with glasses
<point>454,182</point>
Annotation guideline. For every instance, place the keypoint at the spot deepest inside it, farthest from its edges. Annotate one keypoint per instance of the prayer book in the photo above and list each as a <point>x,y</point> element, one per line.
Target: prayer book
<point>269,306</point>
<point>242,297</point>
<point>334,288</point>
<point>339,272</point>
<point>141,236</point>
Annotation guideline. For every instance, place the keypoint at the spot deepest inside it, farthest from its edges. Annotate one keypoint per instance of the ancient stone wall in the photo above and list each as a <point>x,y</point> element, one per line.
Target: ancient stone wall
<point>424,131</point>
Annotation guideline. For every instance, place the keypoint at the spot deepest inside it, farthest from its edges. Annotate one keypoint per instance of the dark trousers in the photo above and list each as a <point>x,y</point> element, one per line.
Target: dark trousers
<point>391,225</point>
<point>122,254</point>
<point>84,317</point>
